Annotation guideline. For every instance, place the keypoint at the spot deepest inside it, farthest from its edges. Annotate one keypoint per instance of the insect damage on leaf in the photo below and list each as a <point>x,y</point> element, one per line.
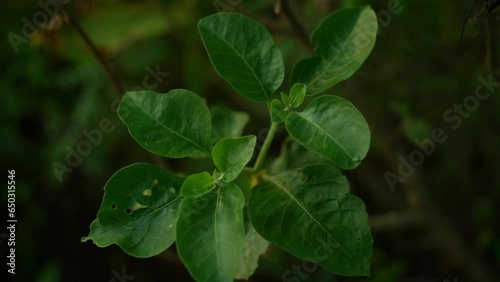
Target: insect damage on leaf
<point>136,206</point>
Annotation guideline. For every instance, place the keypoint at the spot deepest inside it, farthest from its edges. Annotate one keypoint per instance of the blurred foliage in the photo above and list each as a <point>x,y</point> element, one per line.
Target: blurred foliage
<point>53,88</point>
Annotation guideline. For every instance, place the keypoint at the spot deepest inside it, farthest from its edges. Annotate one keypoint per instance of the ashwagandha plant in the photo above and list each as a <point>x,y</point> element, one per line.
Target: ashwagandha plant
<point>221,221</point>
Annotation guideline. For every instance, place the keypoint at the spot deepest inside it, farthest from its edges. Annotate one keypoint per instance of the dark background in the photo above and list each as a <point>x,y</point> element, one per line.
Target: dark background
<point>440,223</point>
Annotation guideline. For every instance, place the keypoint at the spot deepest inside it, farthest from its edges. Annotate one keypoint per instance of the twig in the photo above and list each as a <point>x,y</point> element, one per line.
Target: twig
<point>282,7</point>
<point>111,75</point>
<point>490,44</point>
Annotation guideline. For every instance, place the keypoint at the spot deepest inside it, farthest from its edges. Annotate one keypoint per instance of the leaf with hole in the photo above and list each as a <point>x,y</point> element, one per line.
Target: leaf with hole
<point>139,211</point>
<point>344,41</point>
<point>232,154</point>
<point>332,127</point>
<point>176,124</point>
<point>210,234</point>
<point>310,213</point>
<point>243,53</point>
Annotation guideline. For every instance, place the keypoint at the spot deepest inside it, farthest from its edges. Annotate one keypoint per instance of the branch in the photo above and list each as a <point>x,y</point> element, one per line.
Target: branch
<point>282,7</point>
<point>111,75</point>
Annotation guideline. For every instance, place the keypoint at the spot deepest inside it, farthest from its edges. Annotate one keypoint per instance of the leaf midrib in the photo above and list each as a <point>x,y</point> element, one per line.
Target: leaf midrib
<point>326,133</point>
<point>242,58</point>
<point>170,129</point>
<point>272,180</point>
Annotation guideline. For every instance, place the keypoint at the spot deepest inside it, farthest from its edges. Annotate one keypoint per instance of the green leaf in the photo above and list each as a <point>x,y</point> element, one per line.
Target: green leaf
<point>243,53</point>
<point>310,213</point>
<point>344,41</point>
<point>139,211</point>
<point>227,123</point>
<point>175,125</point>
<point>285,99</point>
<point>197,184</point>
<point>210,234</point>
<point>278,112</point>
<point>332,127</point>
<point>297,94</point>
<point>254,246</point>
<point>232,154</point>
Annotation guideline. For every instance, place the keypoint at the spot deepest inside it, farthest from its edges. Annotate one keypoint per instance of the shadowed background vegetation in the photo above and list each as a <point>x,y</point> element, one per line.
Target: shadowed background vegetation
<point>440,223</point>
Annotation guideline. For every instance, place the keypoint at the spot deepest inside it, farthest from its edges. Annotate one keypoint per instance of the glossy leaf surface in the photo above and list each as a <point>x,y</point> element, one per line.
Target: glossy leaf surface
<point>332,127</point>
<point>310,213</point>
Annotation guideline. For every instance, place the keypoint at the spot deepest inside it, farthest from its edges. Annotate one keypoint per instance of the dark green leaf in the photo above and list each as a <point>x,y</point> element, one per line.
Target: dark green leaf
<point>197,184</point>
<point>210,234</point>
<point>227,123</point>
<point>332,127</point>
<point>297,94</point>
<point>139,211</point>
<point>243,53</point>
<point>344,41</point>
<point>232,154</point>
<point>175,125</point>
<point>310,213</point>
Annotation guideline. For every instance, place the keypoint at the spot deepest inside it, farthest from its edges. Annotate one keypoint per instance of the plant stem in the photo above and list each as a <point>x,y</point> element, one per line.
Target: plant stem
<point>115,81</point>
<point>265,147</point>
<point>490,44</point>
<point>282,7</point>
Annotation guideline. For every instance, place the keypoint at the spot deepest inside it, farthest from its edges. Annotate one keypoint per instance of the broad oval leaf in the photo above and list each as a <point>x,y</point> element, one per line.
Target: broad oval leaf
<point>310,213</point>
<point>344,41</point>
<point>232,154</point>
<point>197,184</point>
<point>332,127</point>
<point>210,234</point>
<point>176,124</point>
<point>243,53</point>
<point>139,211</point>
<point>227,123</point>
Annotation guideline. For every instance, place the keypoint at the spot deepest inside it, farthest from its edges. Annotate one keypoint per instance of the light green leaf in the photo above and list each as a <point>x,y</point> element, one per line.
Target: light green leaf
<point>344,41</point>
<point>243,53</point>
<point>227,123</point>
<point>332,127</point>
<point>278,112</point>
<point>297,94</point>
<point>139,211</point>
<point>197,184</point>
<point>254,246</point>
<point>310,213</point>
<point>232,154</point>
<point>285,99</point>
<point>210,234</point>
<point>175,125</point>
